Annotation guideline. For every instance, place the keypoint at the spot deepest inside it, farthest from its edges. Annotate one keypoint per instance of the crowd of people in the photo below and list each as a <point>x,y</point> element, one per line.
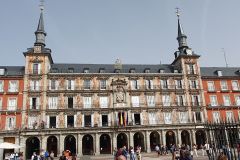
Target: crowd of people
<point>44,155</point>
<point>14,156</point>
<point>123,153</point>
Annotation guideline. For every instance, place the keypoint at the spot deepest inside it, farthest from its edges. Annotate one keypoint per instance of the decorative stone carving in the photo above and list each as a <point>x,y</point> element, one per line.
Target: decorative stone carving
<point>96,118</point>
<point>61,120</point>
<point>120,95</point>
<point>79,120</point>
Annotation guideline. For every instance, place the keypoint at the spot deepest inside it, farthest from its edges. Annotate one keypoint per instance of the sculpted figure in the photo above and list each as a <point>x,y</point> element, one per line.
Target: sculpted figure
<point>79,120</point>
<point>61,120</point>
<point>119,95</point>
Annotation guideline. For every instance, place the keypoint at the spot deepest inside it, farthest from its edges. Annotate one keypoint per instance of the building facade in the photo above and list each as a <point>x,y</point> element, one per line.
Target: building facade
<point>94,108</point>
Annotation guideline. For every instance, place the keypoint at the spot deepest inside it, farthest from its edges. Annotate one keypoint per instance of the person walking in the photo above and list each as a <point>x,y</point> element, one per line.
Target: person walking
<point>131,153</point>
<point>124,152</point>
<point>157,149</point>
<point>195,149</point>
<point>138,153</point>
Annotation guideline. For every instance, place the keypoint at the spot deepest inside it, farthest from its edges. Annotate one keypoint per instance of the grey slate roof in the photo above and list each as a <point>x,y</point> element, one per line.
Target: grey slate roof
<point>110,68</point>
<point>226,71</point>
<point>13,70</point>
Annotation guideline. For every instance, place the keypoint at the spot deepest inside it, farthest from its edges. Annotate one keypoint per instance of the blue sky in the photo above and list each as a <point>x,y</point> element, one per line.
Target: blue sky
<point>136,31</point>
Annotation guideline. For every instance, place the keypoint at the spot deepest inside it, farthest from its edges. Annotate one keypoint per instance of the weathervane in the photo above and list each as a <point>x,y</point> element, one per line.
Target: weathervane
<point>178,12</point>
<point>41,6</point>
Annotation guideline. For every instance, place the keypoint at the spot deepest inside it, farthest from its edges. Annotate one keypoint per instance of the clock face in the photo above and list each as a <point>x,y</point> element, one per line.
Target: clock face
<point>189,51</point>
<point>37,49</point>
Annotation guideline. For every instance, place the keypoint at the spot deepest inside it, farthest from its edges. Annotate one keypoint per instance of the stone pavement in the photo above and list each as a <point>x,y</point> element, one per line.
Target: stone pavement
<point>145,156</point>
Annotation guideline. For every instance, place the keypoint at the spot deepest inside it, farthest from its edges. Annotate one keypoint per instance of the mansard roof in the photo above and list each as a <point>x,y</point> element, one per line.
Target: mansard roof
<point>13,70</point>
<point>110,68</point>
<point>225,71</point>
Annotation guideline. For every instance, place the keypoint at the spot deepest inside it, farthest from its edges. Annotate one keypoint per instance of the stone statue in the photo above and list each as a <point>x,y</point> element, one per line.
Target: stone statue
<point>61,121</point>
<point>96,118</point>
<point>119,95</point>
<point>79,120</point>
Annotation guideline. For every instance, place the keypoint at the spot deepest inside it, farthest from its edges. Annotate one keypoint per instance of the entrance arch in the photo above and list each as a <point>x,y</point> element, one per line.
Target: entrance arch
<point>154,140</point>
<point>32,145</point>
<point>70,143</point>
<point>185,137</point>
<point>105,144</point>
<point>138,139</point>
<point>87,145</point>
<point>52,145</point>
<point>200,138</point>
<point>122,140</point>
<point>170,138</point>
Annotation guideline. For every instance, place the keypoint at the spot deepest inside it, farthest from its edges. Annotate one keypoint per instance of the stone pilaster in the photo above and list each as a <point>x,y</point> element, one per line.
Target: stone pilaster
<point>1,150</point>
<point>114,141</point>
<point>179,138</point>
<point>61,143</point>
<point>79,145</point>
<point>164,137</point>
<point>44,142</point>
<point>147,140</point>
<point>193,137</point>
<point>131,139</point>
<point>97,144</point>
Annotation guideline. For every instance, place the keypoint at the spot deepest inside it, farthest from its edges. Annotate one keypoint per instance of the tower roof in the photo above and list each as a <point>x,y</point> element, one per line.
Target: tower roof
<point>40,32</point>
<point>40,27</point>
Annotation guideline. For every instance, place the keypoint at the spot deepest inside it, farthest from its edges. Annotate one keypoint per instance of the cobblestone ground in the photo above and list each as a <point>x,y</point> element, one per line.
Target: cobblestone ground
<point>145,156</point>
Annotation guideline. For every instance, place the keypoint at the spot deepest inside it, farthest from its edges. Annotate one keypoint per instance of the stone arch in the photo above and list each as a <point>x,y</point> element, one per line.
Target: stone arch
<point>32,145</point>
<point>170,138</point>
<point>185,137</point>
<point>154,140</point>
<point>70,143</point>
<point>200,137</point>
<point>122,140</point>
<point>105,144</point>
<point>138,140</point>
<point>52,145</point>
<point>87,145</point>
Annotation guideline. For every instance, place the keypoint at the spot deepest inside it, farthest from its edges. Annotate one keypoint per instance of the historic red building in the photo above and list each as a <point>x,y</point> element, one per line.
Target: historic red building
<point>222,93</point>
<point>11,101</point>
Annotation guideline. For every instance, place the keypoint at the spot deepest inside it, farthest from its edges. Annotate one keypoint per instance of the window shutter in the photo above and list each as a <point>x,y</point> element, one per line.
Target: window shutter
<point>132,84</point>
<point>49,84</point>
<point>92,120</point>
<point>37,85</point>
<point>56,85</point>
<point>146,84</point>
<point>74,122</point>
<point>83,121</point>
<point>39,68</point>
<point>31,85</point>
<point>138,84</point>
<point>37,103</point>
<point>151,84</point>
<point>65,120</point>
<point>30,99</point>
<point>141,119</point>
<point>57,122</point>
<point>109,119</point>
<point>100,120</point>
<point>47,121</point>
<point>72,84</point>
<point>133,119</point>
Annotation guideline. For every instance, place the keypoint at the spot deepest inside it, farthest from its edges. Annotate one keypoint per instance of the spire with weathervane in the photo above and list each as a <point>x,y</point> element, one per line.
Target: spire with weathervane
<point>182,38</point>
<point>40,32</point>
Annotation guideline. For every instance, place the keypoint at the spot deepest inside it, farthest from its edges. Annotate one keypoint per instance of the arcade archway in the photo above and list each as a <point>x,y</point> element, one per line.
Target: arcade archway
<point>32,145</point>
<point>200,138</point>
<point>170,138</point>
<point>70,143</point>
<point>122,140</point>
<point>52,145</point>
<point>105,144</point>
<point>185,137</point>
<point>87,145</point>
<point>138,140</point>
<point>154,140</point>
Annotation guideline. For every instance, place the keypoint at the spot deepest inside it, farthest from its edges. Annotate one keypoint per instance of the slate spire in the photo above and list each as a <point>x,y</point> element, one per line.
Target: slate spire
<point>182,38</point>
<point>40,32</point>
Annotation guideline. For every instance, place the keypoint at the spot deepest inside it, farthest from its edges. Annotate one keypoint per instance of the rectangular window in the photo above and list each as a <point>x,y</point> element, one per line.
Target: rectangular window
<point>149,84</point>
<point>70,84</point>
<point>235,85</point>
<point>134,84</point>
<point>191,69</point>
<point>168,117</point>
<point>2,71</point>
<point>150,101</point>
<point>166,100</point>
<point>183,117</point>
<point>224,85</point>
<point>11,123</point>
<point>34,85</point>
<point>193,84</point>
<point>178,84</point>
<point>70,121</point>
<point>226,100</point>
<point>87,121</point>
<point>237,100</point>
<point>137,119</point>
<point>70,102</point>
<point>198,116</point>
<point>104,120</point>
<point>87,102</point>
<point>34,103</point>
<point>36,68</point>
<point>32,122</point>
<point>53,84</point>
<point>135,101</point>
<point>216,117</point>
<point>180,100</point>
<point>52,122</point>
<point>164,84</point>
<point>103,84</point>
<point>1,85</point>
<point>213,100</point>
<point>103,102</point>
<point>229,116</point>
<point>152,117</point>
<point>12,104</point>
<point>52,102</point>
<point>87,84</point>
<point>13,86</point>
<point>211,86</point>
<point>195,100</point>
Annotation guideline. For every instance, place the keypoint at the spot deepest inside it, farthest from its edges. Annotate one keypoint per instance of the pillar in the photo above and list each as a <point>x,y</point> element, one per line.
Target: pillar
<point>114,141</point>
<point>131,139</point>
<point>97,144</point>
<point>147,140</point>
<point>23,148</point>
<point>79,145</point>
<point>164,137</point>
<point>1,150</point>
<point>179,138</point>
<point>61,143</point>
<point>43,142</point>
<point>193,137</point>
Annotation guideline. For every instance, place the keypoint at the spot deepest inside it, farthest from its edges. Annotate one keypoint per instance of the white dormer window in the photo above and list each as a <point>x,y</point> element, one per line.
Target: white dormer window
<point>13,86</point>
<point>86,70</point>
<point>219,73</point>
<point>147,71</point>
<point>191,69</point>
<point>2,71</point>
<point>161,71</point>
